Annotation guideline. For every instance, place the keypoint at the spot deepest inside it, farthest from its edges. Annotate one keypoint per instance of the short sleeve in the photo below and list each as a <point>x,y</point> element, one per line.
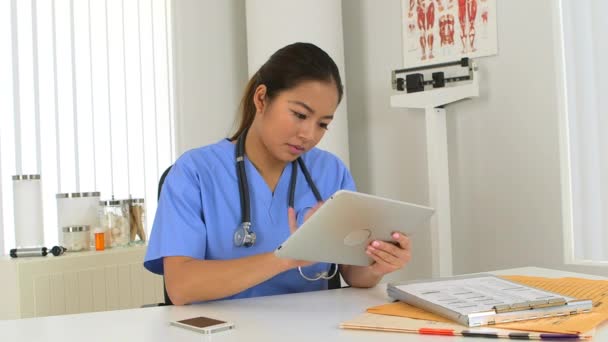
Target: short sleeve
<point>348,183</point>
<point>179,228</point>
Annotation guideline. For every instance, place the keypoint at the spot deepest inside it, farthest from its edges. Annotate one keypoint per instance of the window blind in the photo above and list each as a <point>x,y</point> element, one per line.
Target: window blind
<point>585,52</point>
<point>87,101</point>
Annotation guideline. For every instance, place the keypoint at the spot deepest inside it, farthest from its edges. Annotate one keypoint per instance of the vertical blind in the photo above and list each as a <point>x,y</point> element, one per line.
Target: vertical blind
<point>585,53</point>
<point>85,99</point>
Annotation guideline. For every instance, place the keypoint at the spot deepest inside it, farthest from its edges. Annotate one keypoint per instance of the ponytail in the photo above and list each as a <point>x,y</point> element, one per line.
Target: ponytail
<point>247,107</point>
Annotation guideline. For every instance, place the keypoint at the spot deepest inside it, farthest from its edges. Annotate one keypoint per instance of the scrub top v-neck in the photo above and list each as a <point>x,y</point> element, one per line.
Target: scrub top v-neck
<point>199,210</point>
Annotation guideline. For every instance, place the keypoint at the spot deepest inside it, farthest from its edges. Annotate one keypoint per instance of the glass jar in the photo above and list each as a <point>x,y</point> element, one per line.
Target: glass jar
<point>114,218</point>
<point>76,238</point>
<point>137,221</point>
<point>27,199</point>
<point>77,209</point>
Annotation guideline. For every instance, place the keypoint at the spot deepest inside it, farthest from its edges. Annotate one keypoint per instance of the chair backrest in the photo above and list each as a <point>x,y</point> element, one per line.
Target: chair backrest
<point>160,187</point>
<point>332,283</point>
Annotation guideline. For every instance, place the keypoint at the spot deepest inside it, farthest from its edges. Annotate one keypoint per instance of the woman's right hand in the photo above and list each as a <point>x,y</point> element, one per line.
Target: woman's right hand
<point>293,226</point>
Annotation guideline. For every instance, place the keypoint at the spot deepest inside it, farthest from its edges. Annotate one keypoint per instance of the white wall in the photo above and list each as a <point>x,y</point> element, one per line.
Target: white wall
<point>271,24</point>
<point>504,150</point>
<point>210,57</point>
<point>387,144</point>
<point>211,65</point>
<point>503,146</point>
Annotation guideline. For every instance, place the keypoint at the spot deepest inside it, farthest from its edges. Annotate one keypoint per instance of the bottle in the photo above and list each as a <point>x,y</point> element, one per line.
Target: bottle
<point>114,218</point>
<point>137,209</point>
<point>100,239</point>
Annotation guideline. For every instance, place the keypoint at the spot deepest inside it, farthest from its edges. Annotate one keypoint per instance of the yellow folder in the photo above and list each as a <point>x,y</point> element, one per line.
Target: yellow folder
<point>596,290</point>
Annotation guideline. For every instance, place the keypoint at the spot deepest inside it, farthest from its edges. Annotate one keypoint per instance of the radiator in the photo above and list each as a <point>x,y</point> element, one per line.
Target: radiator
<point>76,283</point>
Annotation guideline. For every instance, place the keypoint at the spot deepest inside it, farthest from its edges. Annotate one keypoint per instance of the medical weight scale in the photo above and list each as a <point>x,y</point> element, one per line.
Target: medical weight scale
<point>432,96</point>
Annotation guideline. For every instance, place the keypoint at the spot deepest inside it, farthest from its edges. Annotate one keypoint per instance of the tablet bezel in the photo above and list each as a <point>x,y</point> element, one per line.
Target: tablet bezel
<point>321,237</point>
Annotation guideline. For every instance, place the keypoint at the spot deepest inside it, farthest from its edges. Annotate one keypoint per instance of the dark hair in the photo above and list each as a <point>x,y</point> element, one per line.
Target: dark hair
<point>284,70</point>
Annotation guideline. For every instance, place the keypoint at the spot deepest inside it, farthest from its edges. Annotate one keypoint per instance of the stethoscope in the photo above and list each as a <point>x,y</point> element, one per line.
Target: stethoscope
<point>244,235</point>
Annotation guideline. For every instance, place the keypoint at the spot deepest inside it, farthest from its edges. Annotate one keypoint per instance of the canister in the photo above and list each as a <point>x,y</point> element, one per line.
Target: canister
<point>137,221</point>
<point>76,238</point>
<point>27,208</point>
<point>114,218</point>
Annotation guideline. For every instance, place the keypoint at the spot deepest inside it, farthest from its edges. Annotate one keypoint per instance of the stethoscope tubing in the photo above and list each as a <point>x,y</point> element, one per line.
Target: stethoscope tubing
<point>244,187</point>
<point>245,199</point>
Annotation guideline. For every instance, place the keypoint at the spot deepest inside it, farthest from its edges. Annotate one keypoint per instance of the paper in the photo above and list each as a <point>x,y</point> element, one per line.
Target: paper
<point>466,296</point>
<point>405,310</point>
<point>369,321</point>
<point>596,290</point>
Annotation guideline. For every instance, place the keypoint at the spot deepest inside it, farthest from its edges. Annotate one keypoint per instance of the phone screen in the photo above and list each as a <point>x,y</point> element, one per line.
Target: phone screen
<point>201,322</point>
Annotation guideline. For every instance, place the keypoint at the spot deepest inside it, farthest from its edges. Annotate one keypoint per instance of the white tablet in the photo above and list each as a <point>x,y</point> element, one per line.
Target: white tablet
<point>341,229</point>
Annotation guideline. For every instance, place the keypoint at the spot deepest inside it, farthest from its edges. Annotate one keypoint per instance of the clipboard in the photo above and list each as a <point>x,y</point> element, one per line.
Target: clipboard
<point>485,299</point>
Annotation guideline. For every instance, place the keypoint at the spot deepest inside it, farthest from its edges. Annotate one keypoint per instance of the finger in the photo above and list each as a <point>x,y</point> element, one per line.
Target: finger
<point>402,240</point>
<point>386,261</point>
<point>380,265</point>
<point>387,247</point>
<point>386,257</point>
<point>402,255</point>
<point>312,210</point>
<point>291,217</point>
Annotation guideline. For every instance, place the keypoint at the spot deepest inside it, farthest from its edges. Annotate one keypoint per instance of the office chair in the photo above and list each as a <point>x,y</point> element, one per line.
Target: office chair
<point>160,186</point>
<point>332,283</point>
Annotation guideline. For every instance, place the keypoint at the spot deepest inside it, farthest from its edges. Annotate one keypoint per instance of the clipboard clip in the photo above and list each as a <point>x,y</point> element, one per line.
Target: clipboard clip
<point>529,305</point>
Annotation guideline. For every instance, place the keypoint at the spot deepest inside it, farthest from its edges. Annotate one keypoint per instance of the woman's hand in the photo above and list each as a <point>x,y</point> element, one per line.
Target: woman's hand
<point>389,256</point>
<point>293,226</point>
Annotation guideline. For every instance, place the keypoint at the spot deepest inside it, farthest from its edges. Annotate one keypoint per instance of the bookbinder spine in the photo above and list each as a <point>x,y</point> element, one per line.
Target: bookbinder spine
<point>502,315</point>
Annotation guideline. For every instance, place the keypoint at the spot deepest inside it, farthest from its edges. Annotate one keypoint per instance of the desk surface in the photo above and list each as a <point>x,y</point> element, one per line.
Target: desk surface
<point>296,317</point>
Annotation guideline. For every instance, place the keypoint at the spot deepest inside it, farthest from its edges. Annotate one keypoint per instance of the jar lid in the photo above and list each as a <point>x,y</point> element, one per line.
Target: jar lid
<point>114,202</point>
<point>90,194</point>
<point>68,195</point>
<point>137,201</point>
<point>71,229</point>
<point>25,177</point>
<point>110,202</point>
<point>77,194</point>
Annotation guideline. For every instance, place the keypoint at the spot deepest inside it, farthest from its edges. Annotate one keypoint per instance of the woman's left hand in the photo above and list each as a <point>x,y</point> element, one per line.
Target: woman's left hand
<point>389,256</point>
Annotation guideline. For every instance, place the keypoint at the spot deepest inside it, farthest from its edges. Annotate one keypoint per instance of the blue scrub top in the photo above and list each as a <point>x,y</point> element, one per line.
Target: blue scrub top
<point>199,210</point>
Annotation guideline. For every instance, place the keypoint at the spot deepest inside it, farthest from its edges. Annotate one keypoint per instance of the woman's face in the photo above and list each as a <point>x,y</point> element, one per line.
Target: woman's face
<point>296,119</point>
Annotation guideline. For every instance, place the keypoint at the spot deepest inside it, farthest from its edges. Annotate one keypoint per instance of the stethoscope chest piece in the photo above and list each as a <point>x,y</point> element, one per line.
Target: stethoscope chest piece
<point>243,236</point>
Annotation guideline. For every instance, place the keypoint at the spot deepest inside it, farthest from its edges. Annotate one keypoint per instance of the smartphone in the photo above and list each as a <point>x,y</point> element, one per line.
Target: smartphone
<point>204,325</point>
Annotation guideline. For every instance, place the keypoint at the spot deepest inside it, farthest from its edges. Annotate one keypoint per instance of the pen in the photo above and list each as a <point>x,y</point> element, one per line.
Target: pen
<point>521,336</point>
<point>488,334</point>
<point>431,331</point>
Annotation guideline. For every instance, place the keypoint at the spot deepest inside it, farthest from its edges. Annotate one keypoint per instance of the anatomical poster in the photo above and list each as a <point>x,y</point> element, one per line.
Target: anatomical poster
<point>437,31</point>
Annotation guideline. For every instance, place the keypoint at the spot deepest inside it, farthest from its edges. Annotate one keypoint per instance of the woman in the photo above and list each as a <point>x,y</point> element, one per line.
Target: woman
<point>198,239</point>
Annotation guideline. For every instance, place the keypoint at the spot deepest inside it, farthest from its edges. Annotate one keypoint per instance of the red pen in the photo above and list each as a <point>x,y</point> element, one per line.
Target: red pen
<point>431,331</point>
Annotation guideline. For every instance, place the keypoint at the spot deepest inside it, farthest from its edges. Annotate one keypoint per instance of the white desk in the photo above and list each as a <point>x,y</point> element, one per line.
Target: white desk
<point>298,317</point>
